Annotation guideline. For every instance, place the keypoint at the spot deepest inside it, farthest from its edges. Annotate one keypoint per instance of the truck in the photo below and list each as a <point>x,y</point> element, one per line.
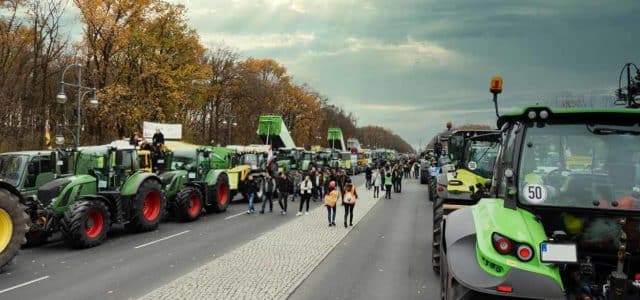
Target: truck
<point>335,140</point>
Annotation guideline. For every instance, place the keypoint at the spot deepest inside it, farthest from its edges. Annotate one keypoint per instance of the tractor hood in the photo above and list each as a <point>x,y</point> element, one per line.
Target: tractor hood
<point>55,193</point>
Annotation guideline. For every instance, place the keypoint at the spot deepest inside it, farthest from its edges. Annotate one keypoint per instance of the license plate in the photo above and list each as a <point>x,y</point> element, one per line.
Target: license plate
<point>192,175</point>
<point>160,161</point>
<point>558,252</point>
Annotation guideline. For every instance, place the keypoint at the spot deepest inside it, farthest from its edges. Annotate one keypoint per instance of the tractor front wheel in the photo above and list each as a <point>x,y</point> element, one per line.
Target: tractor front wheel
<point>147,207</point>
<point>188,206</point>
<point>222,195</point>
<point>13,226</point>
<point>438,214</point>
<point>86,223</point>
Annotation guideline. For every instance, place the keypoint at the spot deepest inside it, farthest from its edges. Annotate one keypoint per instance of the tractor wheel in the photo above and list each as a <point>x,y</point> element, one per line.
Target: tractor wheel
<point>438,214</point>
<point>86,223</point>
<point>423,178</point>
<point>147,207</point>
<point>189,202</point>
<point>13,226</point>
<point>36,238</point>
<point>221,194</point>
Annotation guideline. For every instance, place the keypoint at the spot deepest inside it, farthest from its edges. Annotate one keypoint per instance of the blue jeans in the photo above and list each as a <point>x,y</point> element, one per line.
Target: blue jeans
<point>331,217</point>
<point>252,196</point>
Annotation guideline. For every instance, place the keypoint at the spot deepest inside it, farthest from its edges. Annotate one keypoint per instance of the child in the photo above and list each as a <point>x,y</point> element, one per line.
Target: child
<point>330,200</point>
<point>349,202</point>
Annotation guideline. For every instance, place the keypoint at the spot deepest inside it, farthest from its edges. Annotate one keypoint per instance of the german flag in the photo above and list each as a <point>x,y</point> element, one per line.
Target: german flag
<point>47,135</point>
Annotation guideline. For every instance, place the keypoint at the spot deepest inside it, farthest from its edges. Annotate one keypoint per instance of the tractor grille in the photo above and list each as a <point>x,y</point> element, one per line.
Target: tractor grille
<point>51,190</point>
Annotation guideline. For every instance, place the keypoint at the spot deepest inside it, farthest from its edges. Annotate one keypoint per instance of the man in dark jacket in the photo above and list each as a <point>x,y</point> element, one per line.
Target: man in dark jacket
<point>284,188</point>
<point>368,174</point>
<point>158,138</point>
<point>251,190</point>
<point>268,187</point>
<point>316,179</point>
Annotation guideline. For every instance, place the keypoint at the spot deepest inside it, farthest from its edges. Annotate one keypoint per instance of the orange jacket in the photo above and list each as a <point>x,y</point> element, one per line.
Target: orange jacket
<point>332,198</point>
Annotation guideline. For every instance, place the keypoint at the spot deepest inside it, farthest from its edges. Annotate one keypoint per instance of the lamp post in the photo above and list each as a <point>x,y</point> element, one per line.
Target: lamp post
<point>229,120</point>
<point>62,99</point>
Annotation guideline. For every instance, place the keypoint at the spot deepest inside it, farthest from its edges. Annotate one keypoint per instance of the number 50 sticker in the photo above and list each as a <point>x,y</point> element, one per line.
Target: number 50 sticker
<point>535,193</point>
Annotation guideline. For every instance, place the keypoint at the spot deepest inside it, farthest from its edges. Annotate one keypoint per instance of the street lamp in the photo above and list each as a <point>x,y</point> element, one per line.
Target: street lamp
<point>230,120</point>
<point>62,99</point>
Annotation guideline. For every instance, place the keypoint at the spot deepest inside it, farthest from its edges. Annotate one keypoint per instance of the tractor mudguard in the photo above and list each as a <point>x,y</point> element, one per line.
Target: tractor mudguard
<point>212,176</point>
<point>131,186</point>
<point>481,269</point>
<point>12,190</point>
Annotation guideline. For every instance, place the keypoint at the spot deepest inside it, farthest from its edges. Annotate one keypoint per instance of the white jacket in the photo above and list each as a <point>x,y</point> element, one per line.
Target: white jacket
<point>377,180</point>
<point>306,187</point>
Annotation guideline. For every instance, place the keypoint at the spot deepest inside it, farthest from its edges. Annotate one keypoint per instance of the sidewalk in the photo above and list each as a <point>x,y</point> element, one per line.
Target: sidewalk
<point>271,266</point>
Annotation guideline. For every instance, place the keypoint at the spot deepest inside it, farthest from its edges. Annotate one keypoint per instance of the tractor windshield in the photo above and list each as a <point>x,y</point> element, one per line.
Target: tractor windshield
<point>480,156</point>
<point>579,165</point>
<point>12,168</point>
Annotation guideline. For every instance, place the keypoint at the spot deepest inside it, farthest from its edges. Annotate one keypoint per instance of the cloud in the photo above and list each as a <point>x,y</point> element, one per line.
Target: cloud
<point>247,42</point>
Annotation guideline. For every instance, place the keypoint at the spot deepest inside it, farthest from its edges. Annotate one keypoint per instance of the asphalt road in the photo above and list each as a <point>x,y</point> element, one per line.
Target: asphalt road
<point>131,265</point>
<point>386,256</point>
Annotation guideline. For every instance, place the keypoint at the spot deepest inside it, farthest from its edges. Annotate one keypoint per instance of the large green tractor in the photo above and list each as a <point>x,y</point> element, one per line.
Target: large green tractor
<point>107,188</point>
<point>209,184</point>
<point>14,223</point>
<point>562,217</point>
<point>29,170</point>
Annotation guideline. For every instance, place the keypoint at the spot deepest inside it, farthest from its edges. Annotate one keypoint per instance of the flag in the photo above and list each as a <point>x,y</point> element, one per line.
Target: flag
<point>47,135</point>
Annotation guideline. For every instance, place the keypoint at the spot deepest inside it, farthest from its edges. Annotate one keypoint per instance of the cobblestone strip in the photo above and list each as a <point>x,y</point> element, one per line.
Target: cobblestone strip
<point>272,265</point>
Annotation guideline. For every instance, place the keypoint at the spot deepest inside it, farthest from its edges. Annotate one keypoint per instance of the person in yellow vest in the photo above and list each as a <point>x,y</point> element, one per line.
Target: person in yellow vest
<point>330,200</point>
<point>349,202</point>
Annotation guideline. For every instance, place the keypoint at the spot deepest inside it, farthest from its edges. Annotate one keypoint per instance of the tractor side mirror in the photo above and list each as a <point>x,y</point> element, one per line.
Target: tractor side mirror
<point>206,153</point>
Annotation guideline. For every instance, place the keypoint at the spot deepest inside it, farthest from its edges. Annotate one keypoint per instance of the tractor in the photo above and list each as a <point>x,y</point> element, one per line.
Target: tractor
<point>561,219</point>
<point>210,184</point>
<point>464,181</point>
<point>14,222</point>
<point>107,188</point>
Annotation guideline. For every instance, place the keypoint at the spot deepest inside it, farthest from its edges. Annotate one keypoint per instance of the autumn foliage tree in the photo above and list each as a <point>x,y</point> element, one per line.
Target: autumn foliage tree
<point>148,64</point>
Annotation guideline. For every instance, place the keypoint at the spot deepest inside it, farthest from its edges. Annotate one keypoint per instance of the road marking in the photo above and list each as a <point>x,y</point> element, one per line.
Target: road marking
<point>162,239</point>
<point>238,214</point>
<point>24,284</point>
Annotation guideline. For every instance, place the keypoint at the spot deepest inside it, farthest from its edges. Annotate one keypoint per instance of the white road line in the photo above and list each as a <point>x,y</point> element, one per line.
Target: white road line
<point>24,284</point>
<point>239,214</point>
<point>162,239</point>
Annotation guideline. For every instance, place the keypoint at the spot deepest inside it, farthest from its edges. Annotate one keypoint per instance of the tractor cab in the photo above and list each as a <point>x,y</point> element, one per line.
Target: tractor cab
<point>29,170</point>
<point>562,218</point>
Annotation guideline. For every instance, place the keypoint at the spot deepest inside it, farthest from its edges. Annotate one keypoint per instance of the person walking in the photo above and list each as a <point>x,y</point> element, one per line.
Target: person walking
<point>399,181</point>
<point>377,182</point>
<point>305,191</point>
<point>349,202</point>
<point>387,184</point>
<point>416,170</point>
<point>317,181</point>
<point>283,192</point>
<point>268,187</point>
<point>296,177</point>
<point>368,176</point>
<point>330,200</point>
<point>343,178</point>
<point>252,190</point>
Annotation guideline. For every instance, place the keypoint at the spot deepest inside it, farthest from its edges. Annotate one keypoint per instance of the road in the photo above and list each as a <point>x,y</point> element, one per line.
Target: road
<point>126,265</point>
<point>386,256</point>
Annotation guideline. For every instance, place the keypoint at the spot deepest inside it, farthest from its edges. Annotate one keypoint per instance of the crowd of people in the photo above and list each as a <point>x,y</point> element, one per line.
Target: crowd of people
<point>329,185</point>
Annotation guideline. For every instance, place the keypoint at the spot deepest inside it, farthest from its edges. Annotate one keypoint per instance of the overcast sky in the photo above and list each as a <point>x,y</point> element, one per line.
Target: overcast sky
<point>412,65</point>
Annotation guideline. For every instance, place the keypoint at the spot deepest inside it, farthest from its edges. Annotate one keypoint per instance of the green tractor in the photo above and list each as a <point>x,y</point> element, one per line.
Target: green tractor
<point>107,188</point>
<point>209,184</point>
<point>464,182</point>
<point>562,217</point>
<point>14,222</point>
<point>29,170</point>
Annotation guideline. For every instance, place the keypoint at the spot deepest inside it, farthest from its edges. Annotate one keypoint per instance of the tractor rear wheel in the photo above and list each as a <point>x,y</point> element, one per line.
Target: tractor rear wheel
<point>86,223</point>
<point>222,195</point>
<point>188,205</point>
<point>438,214</point>
<point>147,207</point>
<point>13,226</point>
